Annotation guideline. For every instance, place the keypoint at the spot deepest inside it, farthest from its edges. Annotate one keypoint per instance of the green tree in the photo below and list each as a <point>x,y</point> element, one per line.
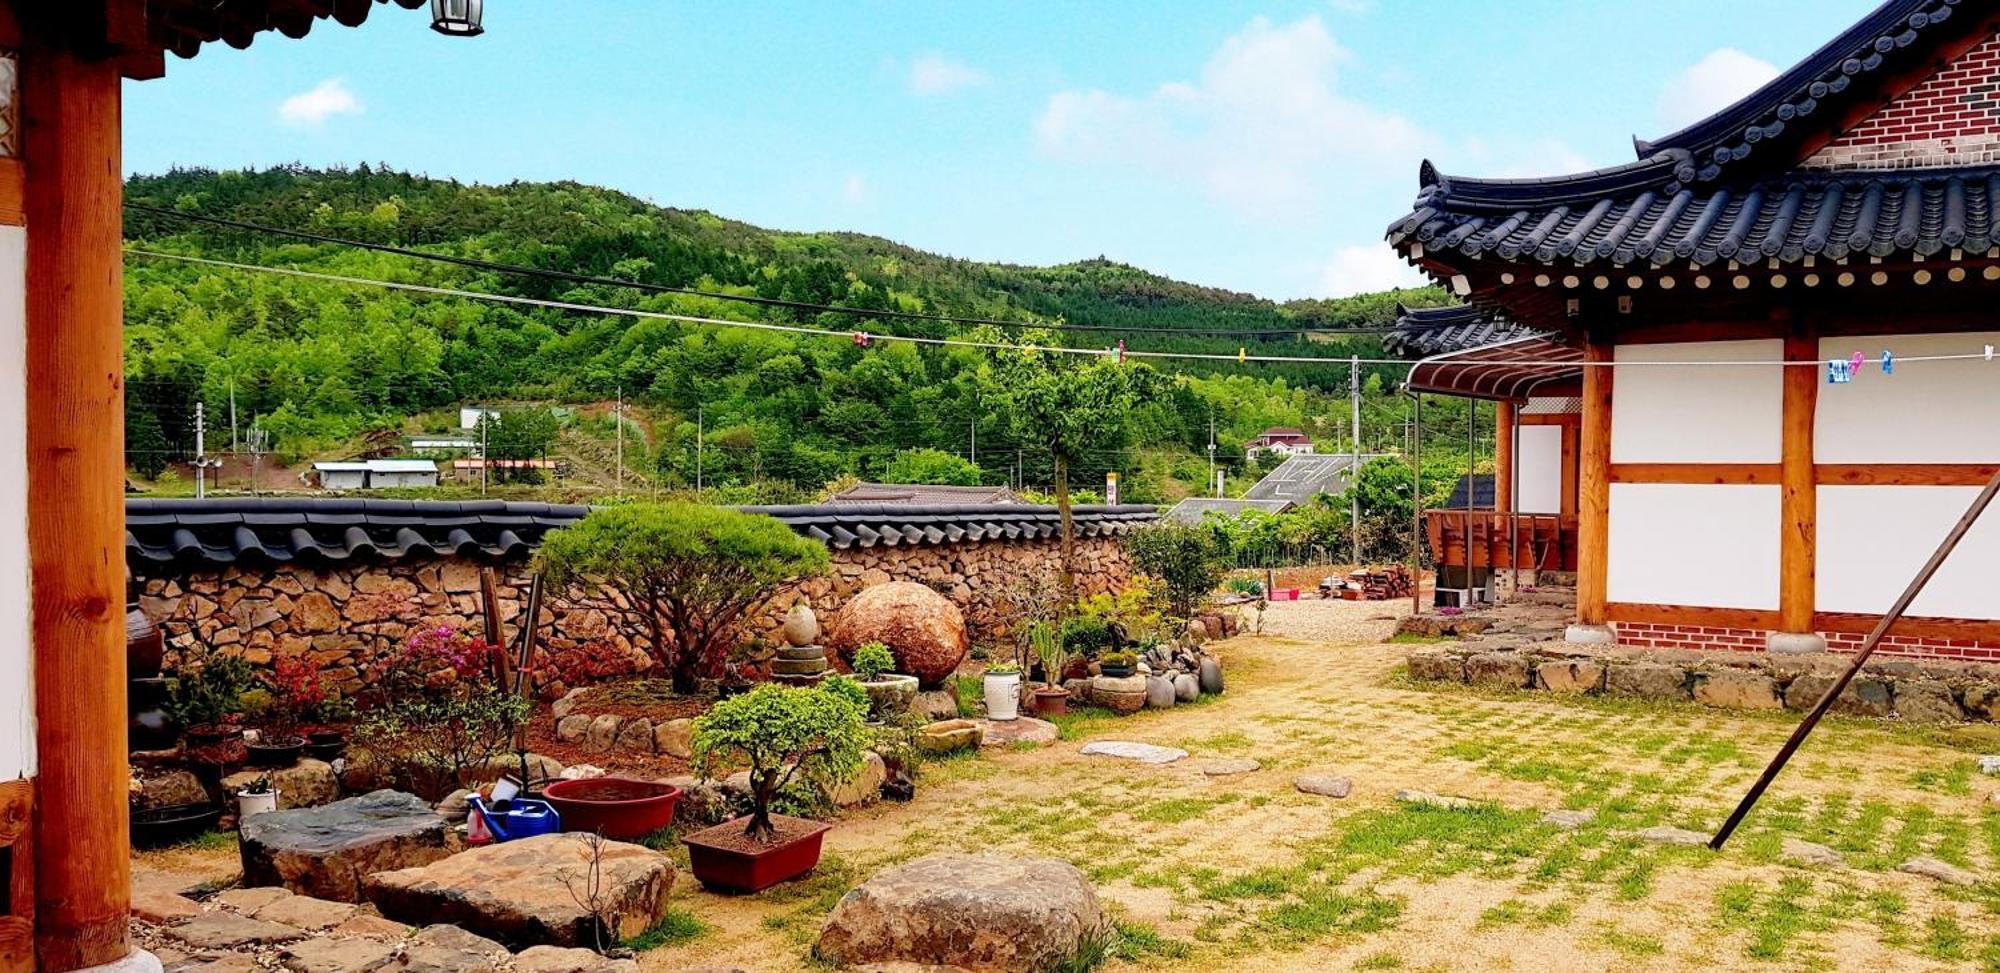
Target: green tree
<point>1075,406</point>
<point>932,466</point>
<point>145,442</point>
<point>780,732</point>
<point>689,571</point>
<point>1186,558</point>
<point>519,434</point>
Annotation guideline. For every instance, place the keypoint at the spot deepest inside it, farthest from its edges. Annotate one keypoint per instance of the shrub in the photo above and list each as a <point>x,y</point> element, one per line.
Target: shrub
<point>1185,560</point>
<point>1121,659</point>
<point>435,714</point>
<point>780,732</point>
<point>209,689</point>
<point>1245,586</point>
<point>297,694</point>
<point>1086,635</point>
<point>872,660</point>
<point>688,569</point>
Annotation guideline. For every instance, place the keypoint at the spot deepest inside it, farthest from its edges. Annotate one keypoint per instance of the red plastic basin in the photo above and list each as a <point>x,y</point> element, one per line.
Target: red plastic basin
<point>619,808</point>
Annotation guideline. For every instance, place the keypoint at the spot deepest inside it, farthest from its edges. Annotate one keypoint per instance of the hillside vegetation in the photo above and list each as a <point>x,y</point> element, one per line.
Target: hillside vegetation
<point>325,368</point>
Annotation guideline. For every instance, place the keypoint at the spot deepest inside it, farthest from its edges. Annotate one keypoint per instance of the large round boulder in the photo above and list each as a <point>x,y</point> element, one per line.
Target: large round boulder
<point>985,913</point>
<point>924,630</point>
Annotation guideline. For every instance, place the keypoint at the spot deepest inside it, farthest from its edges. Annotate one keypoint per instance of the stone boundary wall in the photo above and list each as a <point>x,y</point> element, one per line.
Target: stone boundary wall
<point>1912,690</point>
<point>344,617</point>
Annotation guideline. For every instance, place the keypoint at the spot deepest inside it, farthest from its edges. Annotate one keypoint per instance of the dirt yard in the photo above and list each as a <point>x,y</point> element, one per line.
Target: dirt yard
<point>1245,873</point>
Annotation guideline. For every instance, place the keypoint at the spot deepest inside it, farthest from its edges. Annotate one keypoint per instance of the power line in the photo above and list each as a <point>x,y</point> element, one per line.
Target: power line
<point>576,278</point>
<point>1241,357</point>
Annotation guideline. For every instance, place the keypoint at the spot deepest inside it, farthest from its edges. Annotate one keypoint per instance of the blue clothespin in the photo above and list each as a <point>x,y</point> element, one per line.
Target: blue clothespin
<point>1839,371</point>
<point>1888,362</point>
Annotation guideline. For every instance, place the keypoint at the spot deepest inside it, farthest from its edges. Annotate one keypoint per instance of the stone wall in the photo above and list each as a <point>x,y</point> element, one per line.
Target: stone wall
<point>343,617</point>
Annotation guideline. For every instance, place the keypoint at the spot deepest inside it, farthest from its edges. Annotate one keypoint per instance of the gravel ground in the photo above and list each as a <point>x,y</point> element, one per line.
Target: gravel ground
<point>1332,622</point>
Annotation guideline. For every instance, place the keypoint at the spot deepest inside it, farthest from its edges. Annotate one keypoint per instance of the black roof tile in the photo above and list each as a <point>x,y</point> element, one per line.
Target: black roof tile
<point>1427,331</point>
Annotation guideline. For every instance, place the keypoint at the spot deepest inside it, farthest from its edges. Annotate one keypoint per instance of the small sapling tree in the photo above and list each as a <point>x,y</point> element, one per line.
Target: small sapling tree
<point>780,732</point>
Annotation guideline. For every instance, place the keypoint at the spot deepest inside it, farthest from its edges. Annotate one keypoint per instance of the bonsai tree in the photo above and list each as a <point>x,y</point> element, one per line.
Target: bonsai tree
<point>297,694</point>
<point>690,572</point>
<point>209,690</point>
<point>1184,558</point>
<point>779,732</point>
<point>872,660</point>
<point>1075,405</point>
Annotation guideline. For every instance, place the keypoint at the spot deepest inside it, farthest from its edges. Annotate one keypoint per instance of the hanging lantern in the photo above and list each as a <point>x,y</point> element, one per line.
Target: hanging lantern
<point>457,18</point>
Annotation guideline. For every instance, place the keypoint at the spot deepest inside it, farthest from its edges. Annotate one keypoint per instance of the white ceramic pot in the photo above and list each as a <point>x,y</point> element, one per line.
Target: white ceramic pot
<point>1003,696</point>
<point>248,804</point>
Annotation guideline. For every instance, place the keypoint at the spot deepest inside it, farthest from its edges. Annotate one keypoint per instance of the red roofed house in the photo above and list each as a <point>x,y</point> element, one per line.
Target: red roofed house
<point>1278,439</point>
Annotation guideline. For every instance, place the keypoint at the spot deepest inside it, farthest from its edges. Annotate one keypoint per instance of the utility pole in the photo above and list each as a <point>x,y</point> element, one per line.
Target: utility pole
<point>200,453</point>
<point>1211,448</point>
<point>698,448</point>
<point>485,462</point>
<point>1354,466</point>
<point>618,416</point>
<point>232,414</point>
<point>975,440</point>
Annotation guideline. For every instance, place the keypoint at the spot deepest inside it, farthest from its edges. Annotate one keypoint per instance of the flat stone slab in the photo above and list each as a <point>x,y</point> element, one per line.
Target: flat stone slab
<point>1145,753</point>
<point>1808,853</point>
<point>1230,767</point>
<point>372,927</point>
<point>337,956</point>
<point>1568,820</point>
<point>1940,871</point>
<point>1324,785</point>
<point>519,892</point>
<point>557,959</point>
<point>326,852</point>
<point>306,912</point>
<point>1428,799</point>
<point>987,914</point>
<point>248,901</point>
<point>160,904</point>
<point>223,930</point>
<point>1665,835</point>
<point>1026,729</point>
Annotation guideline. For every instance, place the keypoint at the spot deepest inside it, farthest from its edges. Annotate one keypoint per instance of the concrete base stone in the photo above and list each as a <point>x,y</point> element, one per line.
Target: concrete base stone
<point>1737,689</point>
<point>136,961</point>
<point>1570,677</point>
<point>1498,670</point>
<point>1648,680</point>
<point>1590,635</point>
<point>1794,643</point>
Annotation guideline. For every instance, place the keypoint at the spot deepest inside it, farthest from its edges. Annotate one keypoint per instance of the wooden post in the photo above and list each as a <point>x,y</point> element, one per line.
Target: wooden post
<point>1799,508</point>
<point>1503,457</point>
<point>1593,528</point>
<point>76,501</point>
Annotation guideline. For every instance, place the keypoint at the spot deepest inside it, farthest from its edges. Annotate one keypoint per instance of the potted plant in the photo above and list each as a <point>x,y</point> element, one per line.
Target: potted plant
<point>1051,699</point>
<point>889,694</point>
<point>1003,691</point>
<point>778,732</point>
<point>294,693</point>
<point>1118,665</point>
<point>206,698</point>
<point>256,797</point>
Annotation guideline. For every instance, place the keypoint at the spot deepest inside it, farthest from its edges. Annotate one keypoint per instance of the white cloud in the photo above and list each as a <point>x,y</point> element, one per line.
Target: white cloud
<point>1263,127</point>
<point>326,99</point>
<point>933,75</point>
<point>1363,269</point>
<point>1711,84</point>
<point>855,189</point>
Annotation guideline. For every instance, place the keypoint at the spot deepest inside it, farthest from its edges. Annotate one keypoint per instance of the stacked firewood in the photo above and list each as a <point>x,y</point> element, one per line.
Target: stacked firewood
<point>1377,584</point>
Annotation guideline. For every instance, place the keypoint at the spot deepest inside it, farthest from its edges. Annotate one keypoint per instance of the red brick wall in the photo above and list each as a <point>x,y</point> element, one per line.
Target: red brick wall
<point>1707,639</point>
<point>1951,119</point>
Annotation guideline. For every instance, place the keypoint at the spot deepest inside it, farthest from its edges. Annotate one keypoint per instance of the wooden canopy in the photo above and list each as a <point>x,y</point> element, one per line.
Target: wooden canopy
<point>139,33</point>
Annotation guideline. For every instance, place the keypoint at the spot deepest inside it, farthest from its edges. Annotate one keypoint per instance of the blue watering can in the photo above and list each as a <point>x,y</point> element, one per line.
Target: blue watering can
<point>518,818</point>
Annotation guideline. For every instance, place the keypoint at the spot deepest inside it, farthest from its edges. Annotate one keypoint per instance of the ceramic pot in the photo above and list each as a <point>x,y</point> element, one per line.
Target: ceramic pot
<point>248,804</point>
<point>1003,695</point>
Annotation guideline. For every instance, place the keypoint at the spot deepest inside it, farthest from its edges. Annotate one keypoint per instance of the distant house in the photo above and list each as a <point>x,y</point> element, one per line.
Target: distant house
<point>1285,441</point>
<point>444,442</point>
<point>469,417</point>
<point>922,494</point>
<point>376,474</point>
<point>470,468</point>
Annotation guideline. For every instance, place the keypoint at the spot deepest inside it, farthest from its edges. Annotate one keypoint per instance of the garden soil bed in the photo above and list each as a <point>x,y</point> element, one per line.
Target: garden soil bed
<point>650,698</point>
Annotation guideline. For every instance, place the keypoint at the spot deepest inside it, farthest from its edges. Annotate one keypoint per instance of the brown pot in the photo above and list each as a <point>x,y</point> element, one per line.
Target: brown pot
<point>145,647</point>
<point>1051,701</point>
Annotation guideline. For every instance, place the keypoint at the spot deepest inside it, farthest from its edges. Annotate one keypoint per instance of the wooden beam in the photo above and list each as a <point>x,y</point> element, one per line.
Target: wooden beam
<point>75,472</point>
<point>1909,626</point>
<point>1733,474</point>
<point>1752,619</point>
<point>1545,419</point>
<point>1594,485</point>
<point>1503,456</point>
<point>1904,474</point>
<point>1799,504</point>
<point>17,837</point>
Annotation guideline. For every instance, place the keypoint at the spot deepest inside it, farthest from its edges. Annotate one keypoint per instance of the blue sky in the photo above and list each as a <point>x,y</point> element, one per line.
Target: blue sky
<point>1256,146</point>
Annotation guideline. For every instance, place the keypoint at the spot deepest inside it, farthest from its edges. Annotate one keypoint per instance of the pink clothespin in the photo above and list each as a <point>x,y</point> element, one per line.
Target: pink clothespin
<point>1856,361</point>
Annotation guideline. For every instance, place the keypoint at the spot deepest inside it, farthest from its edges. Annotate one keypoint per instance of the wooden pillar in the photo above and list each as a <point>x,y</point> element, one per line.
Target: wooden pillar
<point>1503,457</point>
<point>1593,526</point>
<point>76,506</point>
<point>1799,509</point>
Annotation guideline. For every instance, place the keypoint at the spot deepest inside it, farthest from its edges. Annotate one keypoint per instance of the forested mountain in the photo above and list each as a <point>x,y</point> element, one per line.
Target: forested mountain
<point>325,367</point>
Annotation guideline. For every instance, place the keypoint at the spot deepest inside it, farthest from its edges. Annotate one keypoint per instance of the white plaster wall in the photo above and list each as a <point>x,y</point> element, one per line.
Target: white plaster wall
<point>1873,540</point>
<point>1927,412</point>
<point>1698,413</point>
<point>1694,544</point>
<point>17,684</point>
<point>1538,458</point>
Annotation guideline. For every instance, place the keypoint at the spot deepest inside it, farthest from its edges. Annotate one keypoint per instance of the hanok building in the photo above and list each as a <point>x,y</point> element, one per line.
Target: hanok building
<point>65,868</point>
<point>1693,299</point>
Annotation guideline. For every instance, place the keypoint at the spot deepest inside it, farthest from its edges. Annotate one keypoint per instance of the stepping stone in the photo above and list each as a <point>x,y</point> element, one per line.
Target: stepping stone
<point>248,901</point>
<point>1324,785</point>
<point>1568,820</point>
<point>1808,853</point>
<point>1026,729</point>
<point>326,852</point>
<point>447,936</point>
<point>157,903</point>
<point>1231,767</point>
<point>226,963</point>
<point>1990,765</point>
<point>437,959</point>
<point>557,959</point>
<point>1145,753</point>
<point>305,912</point>
<point>372,927</point>
<point>337,956</point>
<point>516,892</point>
<point>986,912</point>
<point>1429,799</point>
<point>1932,868</point>
<point>1663,835</point>
<point>222,930</point>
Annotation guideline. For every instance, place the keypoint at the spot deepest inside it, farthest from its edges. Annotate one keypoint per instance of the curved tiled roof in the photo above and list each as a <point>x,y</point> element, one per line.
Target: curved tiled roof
<point>188,534</point>
<point>1425,331</point>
